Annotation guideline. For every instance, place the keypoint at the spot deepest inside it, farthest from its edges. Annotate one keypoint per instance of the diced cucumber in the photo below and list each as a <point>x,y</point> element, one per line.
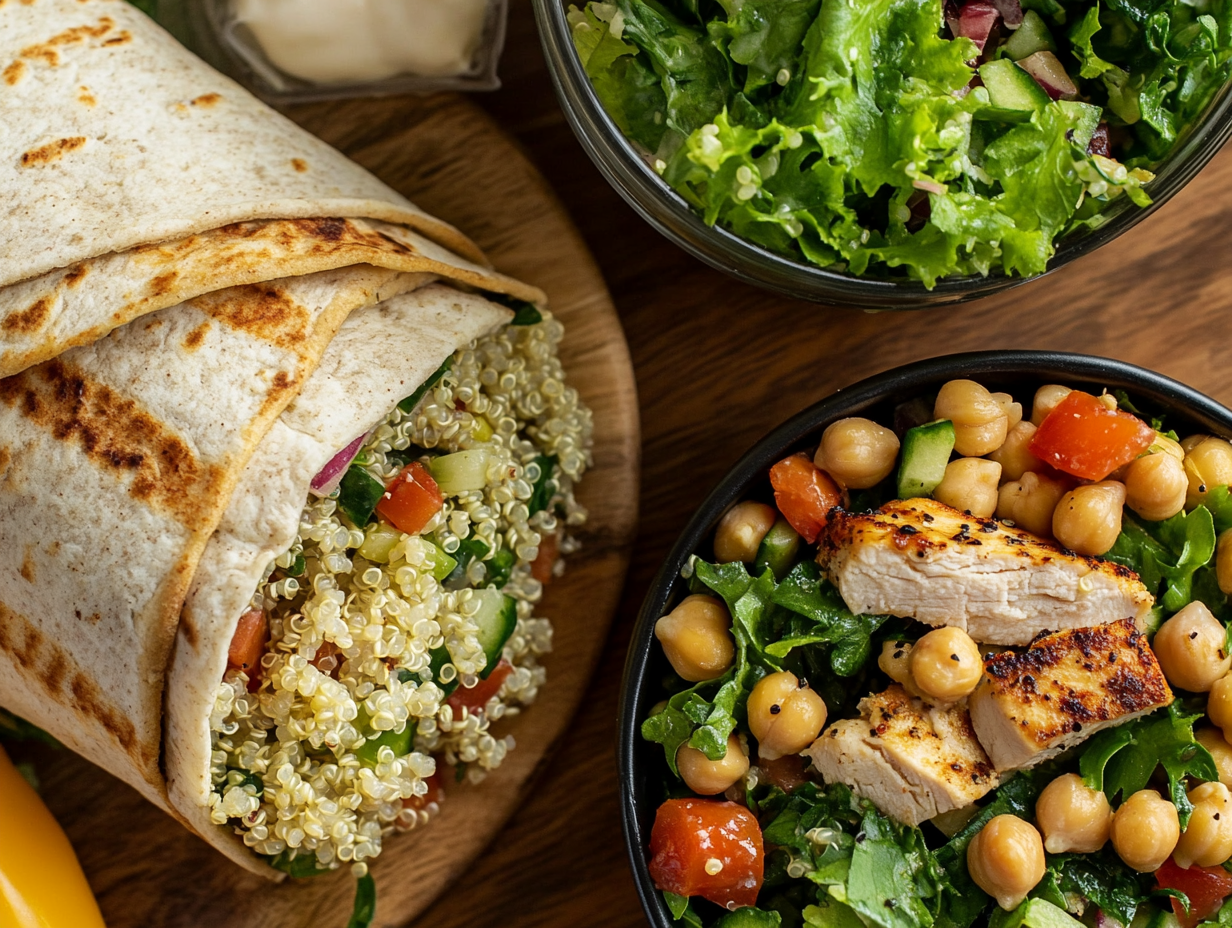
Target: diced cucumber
<point>468,550</point>
<point>1031,37</point>
<point>368,753</point>
<point>500,567</point>
<point>496,618</point>
<point>778,550</point>
<point>1011,88</point>
<point>926,452</point>
<point>545,486</point>
<point>409,404</point>
<point>462,471</point>
<point>379,540</point>
<point>358,494</point>
<point>443,564</point>
<point>439,658</point>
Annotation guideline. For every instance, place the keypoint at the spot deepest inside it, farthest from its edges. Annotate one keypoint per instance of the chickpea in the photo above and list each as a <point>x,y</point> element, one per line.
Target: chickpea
<point>1156,486</point>
<point>1223,561</point>
<point>1214,741</point>
<point>1014,456</point>
<point>1207,840</point>
<point>741,530</point>
<point>1012,410</point>
<point>696,637</point>
<point>1192,649</point>
<point>708,777</point>
<point>970,485</point>
<point>1145,830</point>
<point>1189,442</point>
<point>946,664</point>
<point>1087,520</point>
<point>785,715</point>
<point>1030,502</point>
<point>857,453</point>
<point>980,424</point>
<point>1169,446</point>
<point>1006,859</point>
<point>1073,817</point>
<point>1047,398</point>
<point>1207,465</point>
<point>1219,703</point>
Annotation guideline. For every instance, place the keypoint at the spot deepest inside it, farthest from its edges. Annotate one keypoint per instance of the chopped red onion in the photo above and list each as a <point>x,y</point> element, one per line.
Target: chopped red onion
<point>331,474</point>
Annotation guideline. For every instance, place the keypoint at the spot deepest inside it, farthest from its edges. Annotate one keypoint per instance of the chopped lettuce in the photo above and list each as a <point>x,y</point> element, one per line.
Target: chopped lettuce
<point>850,136</point>
<point>1168,554</point>
<point>1120,761</point>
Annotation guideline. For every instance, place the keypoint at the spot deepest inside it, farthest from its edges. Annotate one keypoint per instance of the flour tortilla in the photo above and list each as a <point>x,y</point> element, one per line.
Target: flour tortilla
<point>381,354</point>
<point>117,461</point>
<point>116,136</point>
<point>133,177</point>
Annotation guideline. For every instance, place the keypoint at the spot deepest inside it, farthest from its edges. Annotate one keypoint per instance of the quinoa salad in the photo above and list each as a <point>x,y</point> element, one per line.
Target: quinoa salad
<point>967,664</point>
<point>384,648</point>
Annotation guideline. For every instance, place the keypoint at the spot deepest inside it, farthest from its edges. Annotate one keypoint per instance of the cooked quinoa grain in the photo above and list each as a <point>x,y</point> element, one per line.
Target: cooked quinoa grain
<point>351,643</point>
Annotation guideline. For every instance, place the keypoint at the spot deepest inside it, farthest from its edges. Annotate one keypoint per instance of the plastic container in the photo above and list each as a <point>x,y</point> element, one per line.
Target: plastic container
<point>668,212</point>
<point>209,28</point>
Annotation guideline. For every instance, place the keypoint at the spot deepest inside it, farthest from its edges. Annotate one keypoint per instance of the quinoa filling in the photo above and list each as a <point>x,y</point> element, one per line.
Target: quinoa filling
<point>381,661</point>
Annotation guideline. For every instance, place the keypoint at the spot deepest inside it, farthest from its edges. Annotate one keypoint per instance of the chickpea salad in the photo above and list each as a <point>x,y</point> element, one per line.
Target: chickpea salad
<point>968,666</point>
<point>916,139</point>
<point>385,646</point>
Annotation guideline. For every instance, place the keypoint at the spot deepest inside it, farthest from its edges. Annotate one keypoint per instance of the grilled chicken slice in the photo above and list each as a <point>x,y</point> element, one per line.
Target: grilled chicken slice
<point>922,560</point>
<point>1031,705</point>
<point>912,760</point>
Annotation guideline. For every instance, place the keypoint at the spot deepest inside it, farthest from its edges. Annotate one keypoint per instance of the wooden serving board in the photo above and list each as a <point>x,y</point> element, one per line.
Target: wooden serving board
<point>449,158</point>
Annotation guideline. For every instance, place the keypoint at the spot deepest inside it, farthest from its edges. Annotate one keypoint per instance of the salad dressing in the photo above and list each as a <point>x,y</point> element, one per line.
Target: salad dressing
<point>330,41</point>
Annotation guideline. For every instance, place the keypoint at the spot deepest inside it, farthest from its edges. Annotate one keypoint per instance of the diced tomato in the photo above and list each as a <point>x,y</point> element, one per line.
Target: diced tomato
<point>707,848</point>
<point>248,646</point>
<point>435,793</point>
<point>477,696</point>
<point>786,772</point>
<point>1083,437</point>
<point>1206,888</point>
<point>804,493</point>
<point>549,550</point>
<point>328,650</point>
<point>411,499</point>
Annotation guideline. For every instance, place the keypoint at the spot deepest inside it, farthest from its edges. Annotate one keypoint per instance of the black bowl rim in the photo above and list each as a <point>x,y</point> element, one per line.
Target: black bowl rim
<point>668,213</point>
<point>1052,365</point>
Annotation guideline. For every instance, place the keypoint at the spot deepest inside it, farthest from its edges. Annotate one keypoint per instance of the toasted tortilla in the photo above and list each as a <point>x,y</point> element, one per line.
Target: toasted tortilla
<point>380,356</point>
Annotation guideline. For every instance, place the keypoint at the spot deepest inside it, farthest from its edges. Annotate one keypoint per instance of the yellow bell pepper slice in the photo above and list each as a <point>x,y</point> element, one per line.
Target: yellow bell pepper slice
<point>41,883</point>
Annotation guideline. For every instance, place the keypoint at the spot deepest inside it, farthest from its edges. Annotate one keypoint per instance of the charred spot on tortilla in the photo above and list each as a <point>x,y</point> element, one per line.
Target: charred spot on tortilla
<point>299,164</point>
<point>84,96</point>
<point>207,100</point>
<point>46,51</point>
<point>52,151</point>
<point>27,565</point>
<point>6,458</point>
<point>116,433</point>
<point>163,283</point>
<point>261,310</point>
<point>77,274</point>
<point>196,338</point>
<point>28,320</point>
<point>13,73</point>
<point>89,698</point>
<point>120,39</point>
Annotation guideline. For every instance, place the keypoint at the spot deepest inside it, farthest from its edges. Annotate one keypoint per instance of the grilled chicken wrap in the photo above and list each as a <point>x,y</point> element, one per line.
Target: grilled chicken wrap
<point>201,305</point>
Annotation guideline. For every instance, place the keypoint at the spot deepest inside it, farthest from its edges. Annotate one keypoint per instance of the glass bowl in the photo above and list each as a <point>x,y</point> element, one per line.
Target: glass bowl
<point>668,212</point>
<point>639,762</point>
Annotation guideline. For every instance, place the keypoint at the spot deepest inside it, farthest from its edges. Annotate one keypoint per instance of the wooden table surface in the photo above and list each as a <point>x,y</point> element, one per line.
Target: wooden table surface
<point>718,364</point>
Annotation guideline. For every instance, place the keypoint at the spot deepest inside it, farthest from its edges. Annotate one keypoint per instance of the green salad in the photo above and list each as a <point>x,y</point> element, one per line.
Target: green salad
<point>966,666</point>
<point>904,138</point>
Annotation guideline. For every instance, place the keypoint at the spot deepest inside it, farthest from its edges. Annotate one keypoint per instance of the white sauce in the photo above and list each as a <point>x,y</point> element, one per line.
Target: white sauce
<point>327,41</point>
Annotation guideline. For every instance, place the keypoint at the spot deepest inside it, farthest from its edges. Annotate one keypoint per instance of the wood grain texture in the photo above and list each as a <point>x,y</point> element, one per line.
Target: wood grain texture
<point>718,365</point>
<point>146,870</point>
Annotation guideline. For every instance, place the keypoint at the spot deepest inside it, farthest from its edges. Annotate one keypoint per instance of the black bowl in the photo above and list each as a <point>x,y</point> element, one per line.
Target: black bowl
<point>1019,372</point>
<point>627,171</point>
